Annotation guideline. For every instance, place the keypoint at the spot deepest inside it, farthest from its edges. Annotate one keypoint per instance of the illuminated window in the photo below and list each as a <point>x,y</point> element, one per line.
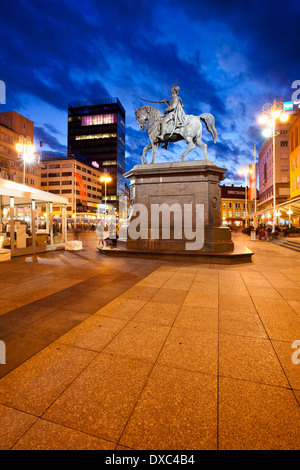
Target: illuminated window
<point>109,162</point>
<point>95,136</point>
<point>99,119</point>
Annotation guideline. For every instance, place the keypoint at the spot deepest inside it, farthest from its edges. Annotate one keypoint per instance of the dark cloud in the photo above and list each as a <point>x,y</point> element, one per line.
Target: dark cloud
<point>40,134</point>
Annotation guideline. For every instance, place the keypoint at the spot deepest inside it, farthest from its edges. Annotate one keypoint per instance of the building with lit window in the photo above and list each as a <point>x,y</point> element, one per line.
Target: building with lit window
<point>96,132</point>
<point>75,180</point>
<point>282,169</point>
<point>294,135</point>
<point>15,128</point>
<point>233,205</point>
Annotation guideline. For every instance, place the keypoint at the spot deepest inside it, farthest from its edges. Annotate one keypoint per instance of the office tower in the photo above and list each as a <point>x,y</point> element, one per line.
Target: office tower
<point>96,131</point>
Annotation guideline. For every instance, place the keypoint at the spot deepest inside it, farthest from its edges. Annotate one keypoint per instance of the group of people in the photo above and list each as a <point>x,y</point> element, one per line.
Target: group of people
<point>263,232</point>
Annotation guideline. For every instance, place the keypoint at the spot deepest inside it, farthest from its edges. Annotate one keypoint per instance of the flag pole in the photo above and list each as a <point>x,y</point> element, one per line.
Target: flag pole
<point>255,194</point>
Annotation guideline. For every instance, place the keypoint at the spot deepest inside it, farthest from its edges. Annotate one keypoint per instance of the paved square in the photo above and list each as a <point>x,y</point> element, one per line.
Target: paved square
<point>110,353</point>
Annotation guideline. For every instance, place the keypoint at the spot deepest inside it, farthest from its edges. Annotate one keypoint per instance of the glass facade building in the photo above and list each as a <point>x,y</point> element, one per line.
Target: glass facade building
<point>96,132</point>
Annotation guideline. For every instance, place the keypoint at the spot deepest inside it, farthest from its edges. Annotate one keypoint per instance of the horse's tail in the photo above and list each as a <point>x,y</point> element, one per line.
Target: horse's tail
<point>209,121</point>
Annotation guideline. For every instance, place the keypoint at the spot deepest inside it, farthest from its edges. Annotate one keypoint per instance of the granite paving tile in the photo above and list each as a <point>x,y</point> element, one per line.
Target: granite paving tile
<point>36,383</point>
<point>197,318</point>
<point>122,308</point>
<point>255,416</point>
<point>239,323</point>
<point>250,358</point>
<point>289,293</point>
<point>191,349</point>
<point>264,291</point>
<point>201,299</point>
<point>157,313</point>
<point>282,326</point>
<point>295,304</point>
<point>100,401</point>
<point>54,324</point>
<point>177,410</point>
<point>287,352</point>
<point>139,340</point>
<point>44,435</point>
<point>169,296</point>
<point>94,333</point>
<point>13,424</point>
<point>140,293</point>
<point>236,302</point>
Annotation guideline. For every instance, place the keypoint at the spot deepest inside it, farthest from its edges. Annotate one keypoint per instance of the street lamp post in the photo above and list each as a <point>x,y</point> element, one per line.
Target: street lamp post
<point>105,179</point>
<point>289,212</point>
<point>272,112</point>
<point>24,146</point>
<point>245,171</point>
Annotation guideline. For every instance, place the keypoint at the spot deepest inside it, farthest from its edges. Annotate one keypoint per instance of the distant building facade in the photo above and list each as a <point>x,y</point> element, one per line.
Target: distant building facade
<point>294,135</point>
<point>74,179</point>
<point>96,131</point>
<point>233,205</point>
<point>14,126</point>
<point>282,169</point>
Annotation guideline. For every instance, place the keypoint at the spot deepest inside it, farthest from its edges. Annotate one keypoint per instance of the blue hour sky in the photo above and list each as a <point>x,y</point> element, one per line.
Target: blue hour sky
<point>230,58</point>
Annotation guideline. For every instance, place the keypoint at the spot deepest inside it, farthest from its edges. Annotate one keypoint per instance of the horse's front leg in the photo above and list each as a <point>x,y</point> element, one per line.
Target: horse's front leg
<point>144,152</point>
<point>154,149</point>
<point>191,145</point>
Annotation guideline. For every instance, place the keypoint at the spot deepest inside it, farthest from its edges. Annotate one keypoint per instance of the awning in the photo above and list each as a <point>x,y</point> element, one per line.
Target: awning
<point>27,193</point>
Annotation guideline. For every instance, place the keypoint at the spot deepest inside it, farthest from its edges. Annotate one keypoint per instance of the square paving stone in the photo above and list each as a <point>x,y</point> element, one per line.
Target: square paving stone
<point>157,313</point>
<point>169,296</point>
<point>289,293</point>
<point>236,302</point>
<point>239,323</point>
<point>139,340</point>
<point>176,410</point>
<point>36,383</point>
<point>178,284</point>
<point>13,424</point>
<point>94,333</point>
<point>44,435</point>
<point>197,318</point>
<point>156,279</point>
<point>264,291</point>
<point>139,293</point>
<point>289,353</point>
<point>201,299</point>
<point>100,401</point>
<point>191,349</point>
<point>256,416</point>
<point>122,308</point>
<point>282,326</point>
<point>250,359</point>
<point>267,306</point>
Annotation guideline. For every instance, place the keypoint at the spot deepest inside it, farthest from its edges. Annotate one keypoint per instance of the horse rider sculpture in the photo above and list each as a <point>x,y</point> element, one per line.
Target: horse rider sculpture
<point>173,113</point>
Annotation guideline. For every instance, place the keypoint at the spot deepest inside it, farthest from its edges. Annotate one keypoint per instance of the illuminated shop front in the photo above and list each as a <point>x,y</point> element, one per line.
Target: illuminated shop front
<point>27,224</point>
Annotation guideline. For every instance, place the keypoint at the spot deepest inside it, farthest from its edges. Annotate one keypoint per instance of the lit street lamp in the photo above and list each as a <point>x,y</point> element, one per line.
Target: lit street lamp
<point>245,171</point>
<point>272,112</point>
<point>289,212</point>
<point>105,179</point>
<point>24,146</point>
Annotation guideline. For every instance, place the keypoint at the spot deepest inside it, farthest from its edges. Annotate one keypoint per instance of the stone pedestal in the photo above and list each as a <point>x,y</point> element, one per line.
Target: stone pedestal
<point>191,190</point>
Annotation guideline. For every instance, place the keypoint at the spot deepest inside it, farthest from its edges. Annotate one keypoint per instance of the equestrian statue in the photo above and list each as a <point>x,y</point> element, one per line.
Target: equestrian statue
<point>174,125</point>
